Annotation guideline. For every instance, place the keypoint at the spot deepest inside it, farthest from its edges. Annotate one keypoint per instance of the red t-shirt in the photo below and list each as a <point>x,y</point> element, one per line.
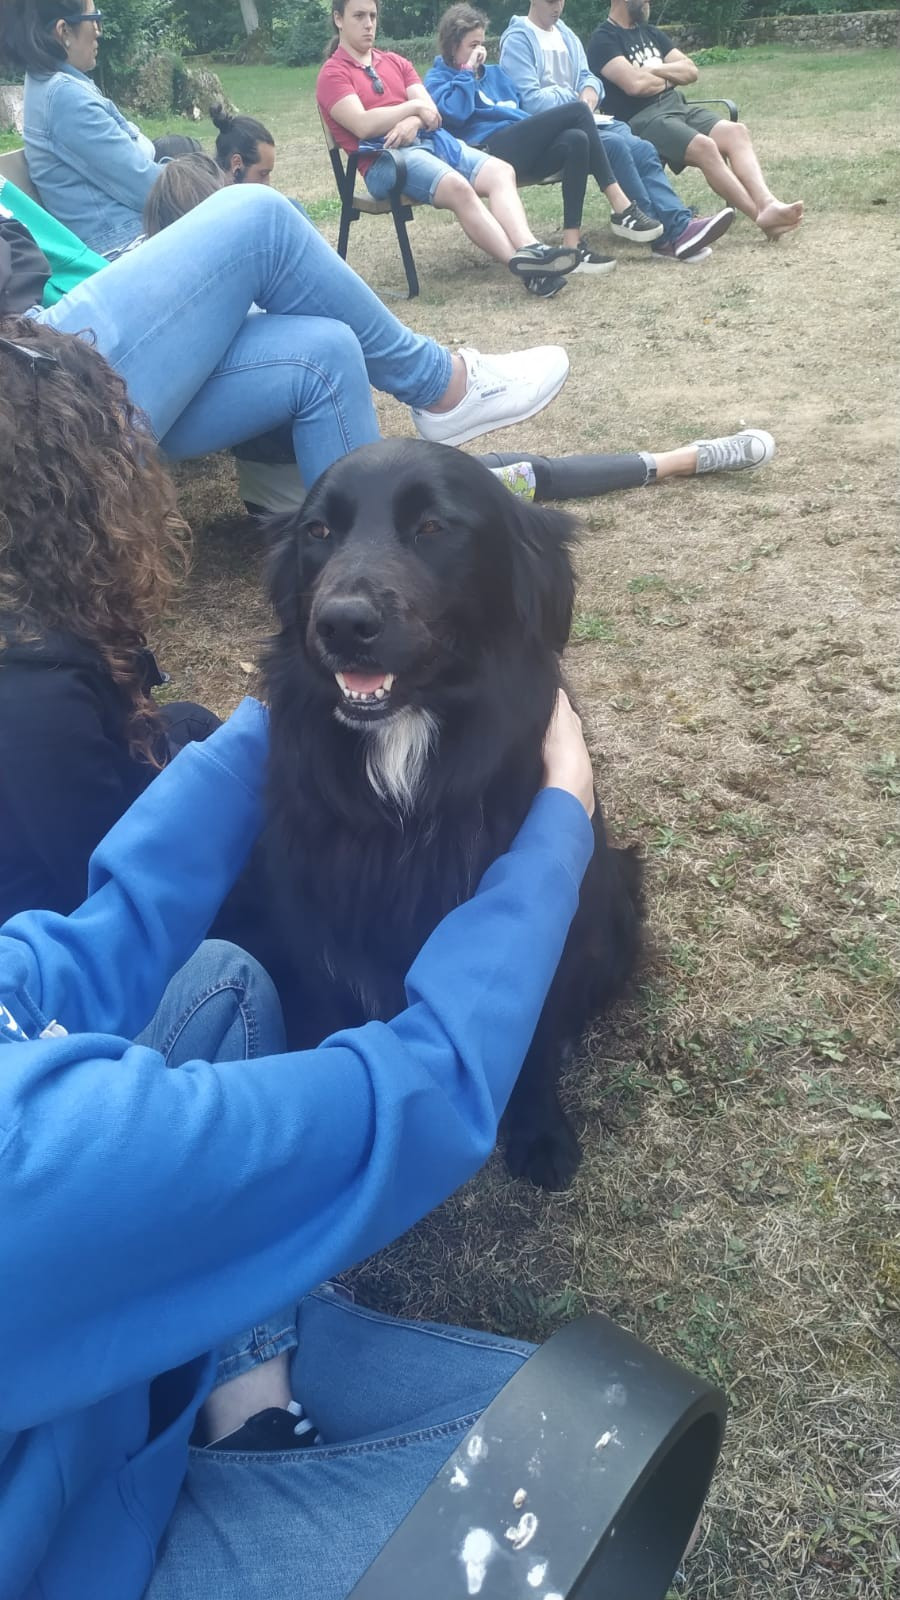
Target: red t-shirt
<point>342,74</point>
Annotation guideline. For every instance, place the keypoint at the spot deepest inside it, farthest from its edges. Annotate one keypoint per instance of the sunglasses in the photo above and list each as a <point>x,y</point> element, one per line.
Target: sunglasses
<point>84,16</point>
<point>374,79</point>
<point>38,360</point>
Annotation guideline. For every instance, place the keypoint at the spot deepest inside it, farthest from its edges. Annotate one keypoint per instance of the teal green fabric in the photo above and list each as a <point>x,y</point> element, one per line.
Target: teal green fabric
<point>70,260</point>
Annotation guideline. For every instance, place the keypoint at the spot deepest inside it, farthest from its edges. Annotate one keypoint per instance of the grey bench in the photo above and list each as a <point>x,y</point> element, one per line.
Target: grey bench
<point>14,168</point>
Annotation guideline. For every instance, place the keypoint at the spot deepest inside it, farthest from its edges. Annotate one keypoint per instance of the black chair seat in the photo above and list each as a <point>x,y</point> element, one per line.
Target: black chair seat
<point>583,1479</point>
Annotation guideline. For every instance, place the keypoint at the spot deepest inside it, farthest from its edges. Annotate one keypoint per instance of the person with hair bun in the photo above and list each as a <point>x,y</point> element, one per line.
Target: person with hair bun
<point>245,149</point>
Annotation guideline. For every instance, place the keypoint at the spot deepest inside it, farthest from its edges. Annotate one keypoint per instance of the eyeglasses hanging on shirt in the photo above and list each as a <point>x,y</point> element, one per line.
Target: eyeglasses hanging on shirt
<point>374,79</point>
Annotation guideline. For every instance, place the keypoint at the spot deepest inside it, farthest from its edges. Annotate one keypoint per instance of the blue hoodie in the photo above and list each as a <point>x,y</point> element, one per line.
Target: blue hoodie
<point>522,59</point>
<point>473,107</point>
<point>147,1214</point>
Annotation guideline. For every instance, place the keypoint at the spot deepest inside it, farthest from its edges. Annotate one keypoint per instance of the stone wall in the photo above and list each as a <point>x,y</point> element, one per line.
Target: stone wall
<point>831,32</point>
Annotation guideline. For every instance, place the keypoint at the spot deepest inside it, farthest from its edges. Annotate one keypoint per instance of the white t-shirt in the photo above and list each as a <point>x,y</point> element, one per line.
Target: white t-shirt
<point>558,64</point>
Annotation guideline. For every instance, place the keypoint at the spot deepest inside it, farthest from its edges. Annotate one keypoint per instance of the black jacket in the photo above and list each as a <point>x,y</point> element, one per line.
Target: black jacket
<point>24,269</point>
<point>66,774</point>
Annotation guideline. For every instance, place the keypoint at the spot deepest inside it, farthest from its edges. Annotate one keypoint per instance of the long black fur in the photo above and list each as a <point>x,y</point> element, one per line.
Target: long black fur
<point>412,559</point>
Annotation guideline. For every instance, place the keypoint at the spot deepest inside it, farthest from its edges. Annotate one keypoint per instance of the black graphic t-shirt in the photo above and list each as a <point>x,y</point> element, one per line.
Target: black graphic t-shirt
<point>642,47</point>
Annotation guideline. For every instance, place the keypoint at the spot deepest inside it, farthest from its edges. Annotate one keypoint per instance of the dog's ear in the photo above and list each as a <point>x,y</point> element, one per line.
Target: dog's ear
<point>543,579</point>
<point>283,579</point>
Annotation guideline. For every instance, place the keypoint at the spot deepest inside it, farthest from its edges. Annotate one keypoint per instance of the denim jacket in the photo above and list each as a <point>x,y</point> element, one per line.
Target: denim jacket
<point>92,169</point>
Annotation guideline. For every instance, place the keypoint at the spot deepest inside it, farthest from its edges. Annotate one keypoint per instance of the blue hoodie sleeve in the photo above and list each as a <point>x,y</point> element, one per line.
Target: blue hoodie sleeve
<point>163,1209</point>
<point>585,78</point>
<point>521,60</point>
<point>453,92</point>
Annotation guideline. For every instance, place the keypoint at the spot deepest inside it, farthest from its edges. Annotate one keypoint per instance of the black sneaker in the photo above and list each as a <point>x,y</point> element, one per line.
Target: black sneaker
<point>634,226</point>
<point>543,259</point>
<point>272,1429</point>
<point>543,284</point>
<point>589,261</point>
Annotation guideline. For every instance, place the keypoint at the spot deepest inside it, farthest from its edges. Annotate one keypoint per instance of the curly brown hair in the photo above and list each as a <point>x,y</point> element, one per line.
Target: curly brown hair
<point>90,540</point>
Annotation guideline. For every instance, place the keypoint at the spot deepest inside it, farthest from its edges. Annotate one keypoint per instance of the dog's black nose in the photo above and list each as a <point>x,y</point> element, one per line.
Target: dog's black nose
<point>346,622</point>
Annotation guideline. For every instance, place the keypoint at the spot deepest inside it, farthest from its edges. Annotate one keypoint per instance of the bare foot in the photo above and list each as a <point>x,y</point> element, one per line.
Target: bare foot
<point>777,218</point>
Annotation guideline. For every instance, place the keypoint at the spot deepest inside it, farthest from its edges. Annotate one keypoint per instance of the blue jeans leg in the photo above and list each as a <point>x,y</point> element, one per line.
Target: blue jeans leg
<point>220,1006</point>
<point>223,1006</point>
<point>167,315</point>
<point>639,170</point>
<point>305,1525</point>
<point>318,382</point>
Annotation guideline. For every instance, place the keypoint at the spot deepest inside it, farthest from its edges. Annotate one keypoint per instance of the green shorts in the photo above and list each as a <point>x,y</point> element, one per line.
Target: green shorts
<point>671,123</point>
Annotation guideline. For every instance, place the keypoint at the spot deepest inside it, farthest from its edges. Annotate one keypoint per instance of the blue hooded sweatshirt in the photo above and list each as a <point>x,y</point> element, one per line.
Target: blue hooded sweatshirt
<point>473,107</point>
<point>147,1213</point>
<point>522,59</point>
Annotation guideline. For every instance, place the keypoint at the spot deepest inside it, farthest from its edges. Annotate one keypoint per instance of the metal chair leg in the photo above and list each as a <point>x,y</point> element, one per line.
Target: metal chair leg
<point>400,213</point>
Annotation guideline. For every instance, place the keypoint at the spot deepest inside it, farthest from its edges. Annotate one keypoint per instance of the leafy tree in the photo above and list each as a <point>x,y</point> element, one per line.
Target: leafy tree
<point>132,31</point>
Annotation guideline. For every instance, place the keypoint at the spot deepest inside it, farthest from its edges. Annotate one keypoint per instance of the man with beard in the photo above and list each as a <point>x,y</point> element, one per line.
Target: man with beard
<point>643,75</point>
<point>546,61</point>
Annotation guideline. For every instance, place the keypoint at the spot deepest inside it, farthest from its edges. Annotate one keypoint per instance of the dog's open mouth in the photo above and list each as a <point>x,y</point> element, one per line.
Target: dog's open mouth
<point>366,691</point>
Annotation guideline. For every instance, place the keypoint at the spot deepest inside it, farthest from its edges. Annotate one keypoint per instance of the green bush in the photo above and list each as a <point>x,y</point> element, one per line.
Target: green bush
<point>301,38</point>
<point>717,21</point>
<point>134,30</point>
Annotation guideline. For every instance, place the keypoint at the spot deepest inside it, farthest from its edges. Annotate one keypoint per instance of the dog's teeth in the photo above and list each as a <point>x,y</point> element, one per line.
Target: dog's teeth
<point>341,682</point>
<point>388,682</point>
<point>379,694</point>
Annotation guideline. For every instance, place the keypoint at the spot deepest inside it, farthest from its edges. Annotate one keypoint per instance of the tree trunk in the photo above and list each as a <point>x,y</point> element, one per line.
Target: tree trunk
<point>250,16</point>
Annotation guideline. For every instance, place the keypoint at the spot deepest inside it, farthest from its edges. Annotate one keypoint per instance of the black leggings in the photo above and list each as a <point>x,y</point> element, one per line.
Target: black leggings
<point>565,139</point>
<point>577,477</point>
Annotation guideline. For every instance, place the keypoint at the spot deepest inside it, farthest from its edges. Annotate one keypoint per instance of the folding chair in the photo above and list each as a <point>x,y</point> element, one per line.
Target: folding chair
<point>14,168</point>
<point>730,106</point>
<point>356,204</point>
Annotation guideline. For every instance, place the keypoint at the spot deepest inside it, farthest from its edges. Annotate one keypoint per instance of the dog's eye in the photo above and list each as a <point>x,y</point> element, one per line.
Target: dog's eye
<point>318,530</point>
<point>428,528</point>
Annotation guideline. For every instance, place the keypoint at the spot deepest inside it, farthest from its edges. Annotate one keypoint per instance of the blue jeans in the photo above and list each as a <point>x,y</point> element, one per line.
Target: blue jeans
<point>223,1006</point>
<point>172,318</point>
<point>637,167</point>
<point>392,1399</point>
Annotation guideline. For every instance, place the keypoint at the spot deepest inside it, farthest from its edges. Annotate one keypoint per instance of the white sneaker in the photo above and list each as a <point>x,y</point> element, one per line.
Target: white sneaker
<point>752,448</point>
<point>501,390</point>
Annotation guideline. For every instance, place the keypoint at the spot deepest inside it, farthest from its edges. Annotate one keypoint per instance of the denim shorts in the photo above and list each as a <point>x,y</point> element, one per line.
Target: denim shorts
<point>424,171</point>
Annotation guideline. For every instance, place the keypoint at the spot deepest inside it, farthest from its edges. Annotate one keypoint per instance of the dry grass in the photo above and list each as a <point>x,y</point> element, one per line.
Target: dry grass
<point>737,663</point>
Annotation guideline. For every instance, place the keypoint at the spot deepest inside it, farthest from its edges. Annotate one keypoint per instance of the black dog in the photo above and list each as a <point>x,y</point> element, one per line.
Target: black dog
<point>423,609</point>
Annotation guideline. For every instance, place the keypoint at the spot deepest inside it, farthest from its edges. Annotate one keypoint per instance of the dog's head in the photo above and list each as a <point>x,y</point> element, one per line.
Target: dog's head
<point>409,570</point>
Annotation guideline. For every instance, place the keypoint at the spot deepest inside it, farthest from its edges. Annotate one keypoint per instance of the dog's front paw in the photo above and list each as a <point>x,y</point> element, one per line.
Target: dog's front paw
<point>548,1159</point>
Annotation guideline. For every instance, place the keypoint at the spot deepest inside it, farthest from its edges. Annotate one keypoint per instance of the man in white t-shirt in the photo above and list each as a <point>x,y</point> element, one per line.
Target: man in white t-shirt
<point>547,63</point>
